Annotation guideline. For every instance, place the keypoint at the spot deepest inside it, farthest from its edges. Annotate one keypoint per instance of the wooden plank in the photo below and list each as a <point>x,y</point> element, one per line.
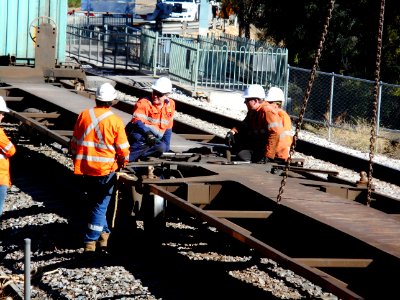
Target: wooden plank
<point>257,214</point>
<point>39,115</point>
<point>63,132</point>
<point>307,170</point>
<point>335,262</point>
<point>8,98</point>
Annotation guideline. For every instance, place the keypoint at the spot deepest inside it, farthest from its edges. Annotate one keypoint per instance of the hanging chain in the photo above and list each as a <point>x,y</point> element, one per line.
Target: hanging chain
<point>375,104</point>
<point>305,99</point>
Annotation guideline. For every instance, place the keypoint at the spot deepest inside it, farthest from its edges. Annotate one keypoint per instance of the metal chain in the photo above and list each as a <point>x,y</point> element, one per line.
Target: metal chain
<point>375,104</point>
<point>305,99</point>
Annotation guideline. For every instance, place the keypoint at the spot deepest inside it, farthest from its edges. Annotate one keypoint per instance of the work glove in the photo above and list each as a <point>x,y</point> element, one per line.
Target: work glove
<point>151,139</point>
<point>230,138</point>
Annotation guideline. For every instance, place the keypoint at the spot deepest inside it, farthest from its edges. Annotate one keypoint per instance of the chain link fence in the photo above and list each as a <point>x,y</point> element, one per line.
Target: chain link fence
<point>344,102</point>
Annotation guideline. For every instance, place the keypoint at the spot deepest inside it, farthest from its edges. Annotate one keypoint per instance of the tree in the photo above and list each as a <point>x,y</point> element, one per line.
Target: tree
<point>246,11</point>
<point>351,44</point>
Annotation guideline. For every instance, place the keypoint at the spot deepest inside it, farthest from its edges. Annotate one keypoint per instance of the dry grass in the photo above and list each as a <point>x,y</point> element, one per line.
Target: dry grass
<point>358,137</point>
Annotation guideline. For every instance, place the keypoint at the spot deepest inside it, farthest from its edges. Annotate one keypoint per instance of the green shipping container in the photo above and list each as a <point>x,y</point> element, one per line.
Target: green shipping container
<point>18,20</point>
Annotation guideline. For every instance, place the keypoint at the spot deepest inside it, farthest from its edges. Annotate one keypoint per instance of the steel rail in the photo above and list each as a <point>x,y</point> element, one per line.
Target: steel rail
<point>325,281</point>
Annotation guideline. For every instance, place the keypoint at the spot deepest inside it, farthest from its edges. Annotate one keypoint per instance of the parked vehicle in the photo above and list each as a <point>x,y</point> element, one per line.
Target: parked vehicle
<point>183,10</point>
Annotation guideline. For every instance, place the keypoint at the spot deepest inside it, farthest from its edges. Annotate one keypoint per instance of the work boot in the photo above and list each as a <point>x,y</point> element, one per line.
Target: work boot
<point>90,246</point>
<point>103,239</point>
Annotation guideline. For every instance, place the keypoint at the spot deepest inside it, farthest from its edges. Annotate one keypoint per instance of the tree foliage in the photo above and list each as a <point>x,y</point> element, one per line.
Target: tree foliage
<point>74,3</point>
<point>351,44</point>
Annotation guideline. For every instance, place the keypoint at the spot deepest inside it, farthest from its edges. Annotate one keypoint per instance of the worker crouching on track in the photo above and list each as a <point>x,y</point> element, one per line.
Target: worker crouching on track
<point>276,97</point>
<point>7,149</point>
<point>99,147</point>
<point>256,138</point>
<point>150,130</point>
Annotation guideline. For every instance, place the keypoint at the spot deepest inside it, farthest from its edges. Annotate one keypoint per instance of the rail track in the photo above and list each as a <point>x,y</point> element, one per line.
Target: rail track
<point>39,119</point>
<point>191,261</point>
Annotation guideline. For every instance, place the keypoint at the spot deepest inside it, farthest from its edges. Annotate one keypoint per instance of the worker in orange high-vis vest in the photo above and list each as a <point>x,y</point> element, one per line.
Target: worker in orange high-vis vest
<point>256,137</point>
<point>7,149</point>
<point>99,147</point>
<point>150,130</point>
<point>276,97</point>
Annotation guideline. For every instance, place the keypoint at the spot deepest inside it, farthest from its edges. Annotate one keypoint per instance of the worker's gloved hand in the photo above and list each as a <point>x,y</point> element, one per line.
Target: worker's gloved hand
<point>151,139</point>
<point>230,138</point>
<point>121,163</point>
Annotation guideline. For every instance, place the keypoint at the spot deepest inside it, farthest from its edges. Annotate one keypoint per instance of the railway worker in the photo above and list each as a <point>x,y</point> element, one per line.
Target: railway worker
<point>150,130</point>
<point>7,149</point>
<point>99,147</point>
<point>276,97</point>
<point>256,138</point>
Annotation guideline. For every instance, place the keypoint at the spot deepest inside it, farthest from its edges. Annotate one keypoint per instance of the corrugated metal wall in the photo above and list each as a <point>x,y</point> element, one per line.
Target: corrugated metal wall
<point>16,17</point>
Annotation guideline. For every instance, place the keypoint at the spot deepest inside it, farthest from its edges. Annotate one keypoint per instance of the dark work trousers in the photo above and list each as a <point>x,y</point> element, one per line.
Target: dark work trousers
<point>249,148</point>
<point>98,190</point>
<point>142,150</point>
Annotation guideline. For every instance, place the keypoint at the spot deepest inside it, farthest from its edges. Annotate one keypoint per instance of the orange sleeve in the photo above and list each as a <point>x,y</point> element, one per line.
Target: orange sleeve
<point>275,127</point>
<point>6,146</point>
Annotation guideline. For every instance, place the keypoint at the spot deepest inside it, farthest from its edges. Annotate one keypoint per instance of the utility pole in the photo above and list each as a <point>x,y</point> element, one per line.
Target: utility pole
<point>204,11</point>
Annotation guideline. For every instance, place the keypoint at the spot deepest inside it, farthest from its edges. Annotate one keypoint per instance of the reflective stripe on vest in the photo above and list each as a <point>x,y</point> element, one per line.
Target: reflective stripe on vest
<point>284,134</point>
<point>8,147</point>
<point>275,124</point>
<point>95,158</point>
<point>154,121</point>
<point>94,126</point>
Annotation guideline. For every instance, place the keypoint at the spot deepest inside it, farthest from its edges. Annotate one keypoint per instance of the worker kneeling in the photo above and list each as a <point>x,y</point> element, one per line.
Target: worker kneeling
<point>150,130</point>
<point>256,138</point>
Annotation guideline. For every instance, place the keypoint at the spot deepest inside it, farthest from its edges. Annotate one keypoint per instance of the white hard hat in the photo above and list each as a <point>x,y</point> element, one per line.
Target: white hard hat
<point>275,94</point>
<point>106,92</point>
<point>254,91</point>
<point>162,85</point>
<point>3,106</point>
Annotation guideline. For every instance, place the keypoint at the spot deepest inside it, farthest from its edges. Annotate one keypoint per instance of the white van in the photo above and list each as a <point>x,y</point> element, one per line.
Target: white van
<point>183,10</point>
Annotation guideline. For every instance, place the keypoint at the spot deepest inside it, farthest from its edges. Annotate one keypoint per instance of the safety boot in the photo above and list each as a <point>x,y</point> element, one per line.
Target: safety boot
<point>103,240</point>
<point>90,246</point>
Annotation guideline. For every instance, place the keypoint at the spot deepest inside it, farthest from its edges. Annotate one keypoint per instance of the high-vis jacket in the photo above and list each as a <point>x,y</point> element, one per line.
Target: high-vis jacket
<point>268,120</point>
<point>263,126</point>
<point>99,144</point>
<point>148,117</point>
<point>285,137</point>
<point>7,149</point>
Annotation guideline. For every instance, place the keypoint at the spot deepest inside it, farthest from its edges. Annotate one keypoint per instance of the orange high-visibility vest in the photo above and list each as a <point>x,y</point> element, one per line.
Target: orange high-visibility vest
<point>99,143</point>
<point>265,123</point>
<point>285,137</point>
<point>157,120</point>
<point>7,149</point>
